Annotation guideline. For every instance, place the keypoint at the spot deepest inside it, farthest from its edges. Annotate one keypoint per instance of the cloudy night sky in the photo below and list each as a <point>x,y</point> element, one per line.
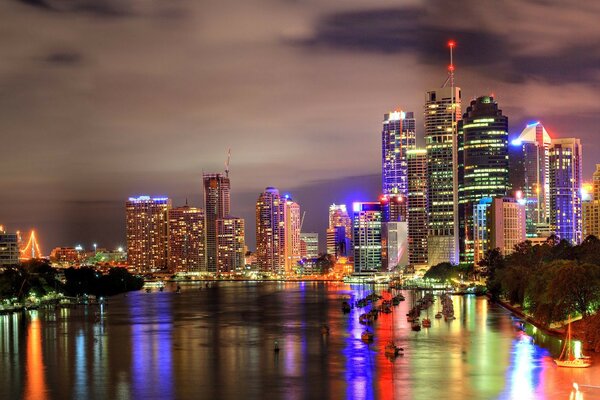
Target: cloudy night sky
<point>104,99</point>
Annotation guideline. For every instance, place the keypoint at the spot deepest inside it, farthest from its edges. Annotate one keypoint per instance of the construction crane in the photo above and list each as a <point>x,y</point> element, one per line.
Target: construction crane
<point>227,164</point>
<point>302,220</point>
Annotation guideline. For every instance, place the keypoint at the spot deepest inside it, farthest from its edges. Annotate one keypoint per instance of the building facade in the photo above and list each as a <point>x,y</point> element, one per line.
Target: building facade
<point>367,236</point>
<point>417,207</point>
<point>230,244</point>
<point>482,164</point>
<point>147,226</point>
<point>9,248</point>
<point>397,137</point>
<point>270,231</point>
<point>217,204</point>
<point>187,240</point>
<point>442,113</point>
<point>309,245</point>
<point>565,189</point>
<point>529,176</point>
<point>292,234</point>
<point>339,232</point>
<point>505,224</point>
<point>591,209</point>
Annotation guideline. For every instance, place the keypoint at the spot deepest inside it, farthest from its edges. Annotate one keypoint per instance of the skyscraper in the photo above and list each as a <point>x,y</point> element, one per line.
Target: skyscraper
<point>529,176</point>
<point>505,224</point>
<point>309,245</point>
<point>442,112</point>
<point>397,137</point>
<point>565,188</point>
<point>417,207</point>
<point>186,239</point>
<point>339,232</point>
<point>482,164</point>
<point>591,209</point>
<point>217,203</point>
<point>270,231</point>
<point>292,234</point>
<point>147,232</point>
<point>230,244</point>
<point>9,248</point>
<point>367,231</point>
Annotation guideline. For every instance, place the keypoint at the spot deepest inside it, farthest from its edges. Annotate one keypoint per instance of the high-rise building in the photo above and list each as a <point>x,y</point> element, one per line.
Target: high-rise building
<point>397,137</point>
<point>480,233</point>
<point>217,203</point>
<point>417,207</point>
<point>147,232</point>
<point>339,232</point>
<point>442,112</point>
<point>9,248</point>
<point>591,208</point>
<point>270,231</point>
<point>292,234</point>
<point>482,164</point>
<point>529,176</point>
<point>367,231</point>
<point>186,239</point>
<point>565,188</point>
<point>505,224</point>
<point>394,245</point>
<point>309,245</point>
<point>230,244</point>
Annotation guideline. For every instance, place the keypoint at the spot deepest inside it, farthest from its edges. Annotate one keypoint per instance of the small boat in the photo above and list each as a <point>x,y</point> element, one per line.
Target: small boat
<point>567,358</point>
<point>366,336</point>
<point>324,330</point>
<point>426,323</point>
<point>416,326</point>
<point>178,289</point>
<point>345,307</point>
<point>438,315</point>
<point>276,347</point>
<point>148,290</point>
<point>391,350</point>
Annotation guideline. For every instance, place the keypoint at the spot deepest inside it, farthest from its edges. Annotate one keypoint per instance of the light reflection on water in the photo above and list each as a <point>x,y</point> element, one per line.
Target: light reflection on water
<point>218,343</point>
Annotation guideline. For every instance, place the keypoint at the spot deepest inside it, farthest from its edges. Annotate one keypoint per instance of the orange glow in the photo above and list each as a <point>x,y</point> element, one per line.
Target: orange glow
<point>31,249</point>
<point>36,384</point>
<point>451,43</point>
<point>587,187</point>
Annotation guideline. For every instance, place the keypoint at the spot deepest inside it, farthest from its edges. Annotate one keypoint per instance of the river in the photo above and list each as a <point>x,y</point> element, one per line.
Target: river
<point>217,343</point>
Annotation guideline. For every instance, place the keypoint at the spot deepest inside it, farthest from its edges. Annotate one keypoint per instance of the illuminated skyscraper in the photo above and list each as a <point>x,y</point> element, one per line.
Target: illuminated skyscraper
<point>565,189</point>
<point>9,248</point>
<point>367,236</point>
<point>339,232</point>
<point>230,244</point>
<point>591,208</point>
<point>217,203</point>
<point>529,176</point>
<point>397,137</point>
<point>442,112</point>
<point>482,163</point>
<point>309,245</point>
<point>505,224</point>
<point>147,232</point>
<point>270,231</point>
<point>417,207</point>
<point>186,239</point>
<point>292,234</point>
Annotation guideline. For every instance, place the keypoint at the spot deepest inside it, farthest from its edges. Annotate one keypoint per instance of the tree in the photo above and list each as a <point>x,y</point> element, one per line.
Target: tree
<point>492,263</point>
<point>441,272</point>
<point>575,287</point>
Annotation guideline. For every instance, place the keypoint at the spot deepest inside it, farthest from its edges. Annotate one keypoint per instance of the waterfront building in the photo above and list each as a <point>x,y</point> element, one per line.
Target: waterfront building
<point>591,208</point>
<point>309,245</point>
<point>9,248</point>
<point>339,232</point>
<point>292,234</point>
<point>217,203</point>
<point>482,164</point>
<point>505,224</point>
<point>565,189</point>
<point>367,231</point>
<point>187,241</point>
<point>529,176</point>
<point>397,137</point>
<point>270,231</point>
<point>417,207</point>
<point>147,232</point>
<point>442,112</point>
<point>230,244</point>
<point>394,245</point>
<point>65,256</point>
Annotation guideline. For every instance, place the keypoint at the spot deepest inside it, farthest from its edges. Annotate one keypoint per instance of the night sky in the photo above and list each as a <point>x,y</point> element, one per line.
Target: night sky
<point>101,100</point>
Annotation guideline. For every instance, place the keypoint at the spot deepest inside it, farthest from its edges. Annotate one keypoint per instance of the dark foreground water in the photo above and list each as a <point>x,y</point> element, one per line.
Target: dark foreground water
<point>217,343</point>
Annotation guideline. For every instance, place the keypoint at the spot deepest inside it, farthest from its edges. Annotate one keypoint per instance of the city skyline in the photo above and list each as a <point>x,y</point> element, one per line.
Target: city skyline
<point>183,131</point>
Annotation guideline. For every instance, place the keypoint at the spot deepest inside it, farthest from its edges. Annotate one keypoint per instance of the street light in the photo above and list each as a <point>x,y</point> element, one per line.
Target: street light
<point>95,246</point>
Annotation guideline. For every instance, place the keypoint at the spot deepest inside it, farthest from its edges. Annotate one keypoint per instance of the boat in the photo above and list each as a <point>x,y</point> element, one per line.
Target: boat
<point>324,330</point>
<point>366,336</point>
<point>426,323</point>
<point>567,358</point>
<point>416,326</point>
<point>438,315</point>
<point>345,307</point>
<point>391,350</point>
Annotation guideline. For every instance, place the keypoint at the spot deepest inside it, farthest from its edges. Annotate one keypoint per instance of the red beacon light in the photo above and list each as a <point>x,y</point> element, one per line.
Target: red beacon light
<point>451,43</point>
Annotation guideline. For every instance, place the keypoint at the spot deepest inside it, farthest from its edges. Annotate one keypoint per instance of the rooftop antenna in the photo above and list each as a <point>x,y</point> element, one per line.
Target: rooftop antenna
<point>450,78</point>
<point>227,164</point>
